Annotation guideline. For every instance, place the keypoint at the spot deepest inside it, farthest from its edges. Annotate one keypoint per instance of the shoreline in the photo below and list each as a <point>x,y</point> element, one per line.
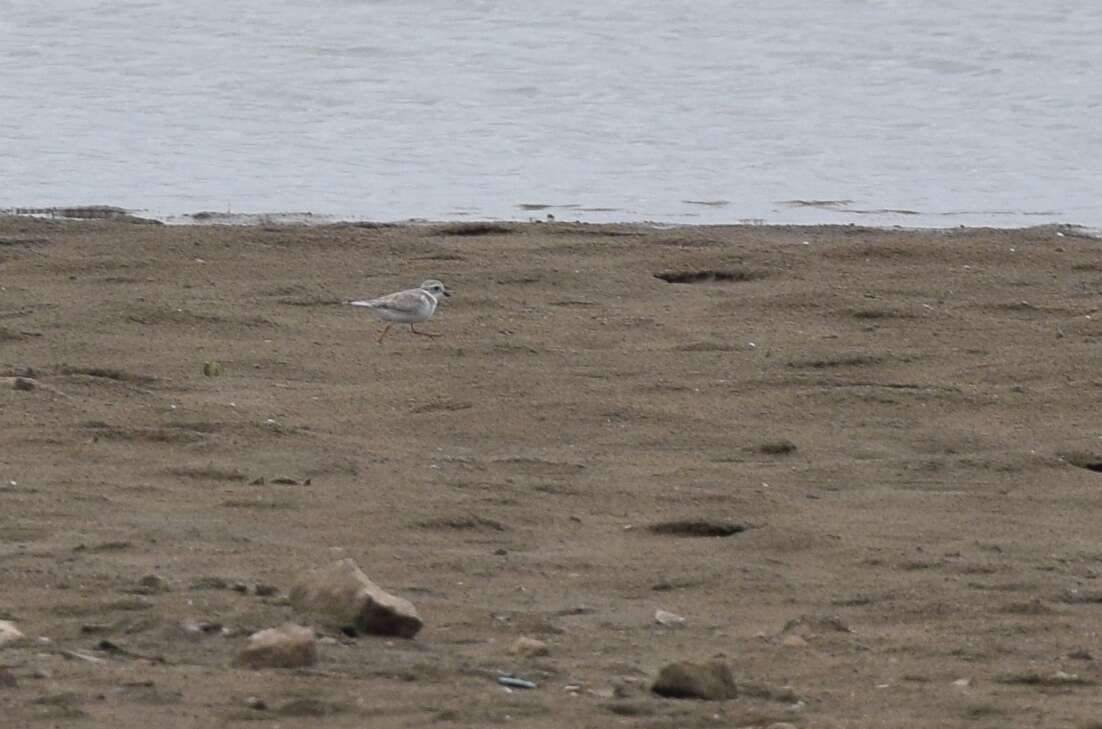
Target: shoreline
<point>309,219</point>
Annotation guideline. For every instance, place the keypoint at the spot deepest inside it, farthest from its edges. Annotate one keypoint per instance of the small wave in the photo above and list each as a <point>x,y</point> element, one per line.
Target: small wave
<point>708,203</point>
<point>824,204</point>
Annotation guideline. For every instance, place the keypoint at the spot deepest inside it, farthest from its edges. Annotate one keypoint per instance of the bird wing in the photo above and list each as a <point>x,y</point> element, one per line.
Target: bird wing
<point>407,302</point>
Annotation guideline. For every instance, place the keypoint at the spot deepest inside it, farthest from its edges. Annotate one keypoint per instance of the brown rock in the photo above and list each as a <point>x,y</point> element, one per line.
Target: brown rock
<point>343,596</point>
<point>794,641</point>
<point>289,646</point>
<point>526,647</point>
<point>710,681</point>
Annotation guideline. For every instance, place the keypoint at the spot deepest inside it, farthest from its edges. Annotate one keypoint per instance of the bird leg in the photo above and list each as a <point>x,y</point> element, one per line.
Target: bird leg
<point>423,334</point>
<point>387,329</point>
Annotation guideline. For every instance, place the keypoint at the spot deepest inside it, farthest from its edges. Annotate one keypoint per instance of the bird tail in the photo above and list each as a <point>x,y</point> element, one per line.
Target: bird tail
<point>368,304</point>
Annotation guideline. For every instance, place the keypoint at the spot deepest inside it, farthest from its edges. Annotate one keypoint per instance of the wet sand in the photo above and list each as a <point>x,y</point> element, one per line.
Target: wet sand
<point>898,428</point>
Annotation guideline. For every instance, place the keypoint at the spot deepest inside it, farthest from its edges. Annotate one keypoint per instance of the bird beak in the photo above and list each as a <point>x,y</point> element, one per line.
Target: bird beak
<point>446,293</point>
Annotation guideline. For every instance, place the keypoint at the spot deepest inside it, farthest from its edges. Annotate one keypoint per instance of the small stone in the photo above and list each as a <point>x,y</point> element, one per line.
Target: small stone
<point>25,384</point>
<point>239,587</point>
<point>962,682</point>
<point>254,702</point>
<point>264,590</point>
<point>344,597</point>
<point>152,584</point>
<point>782,725</point>
<point>9,634</point>
<point>289,646</point>
<point>526,647</point>
<point>711,681</point>
<point>42,673</point>
<point>198,627</point>
<point>668,619</point>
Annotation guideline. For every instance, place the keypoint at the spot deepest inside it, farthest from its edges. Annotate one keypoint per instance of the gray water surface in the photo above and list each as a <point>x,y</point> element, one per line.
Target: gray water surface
<point>933,113</point>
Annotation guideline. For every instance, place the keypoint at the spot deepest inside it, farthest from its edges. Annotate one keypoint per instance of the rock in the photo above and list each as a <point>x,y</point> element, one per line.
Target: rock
<point>794,641</point>
<point>254,702</point>
<point>289,646</point>
<point>265,590</point>
<point>526,647</point>
<point>9,634</point>
<point>782,725</point>
<point>711,681</point>
<point>25,384</point>
<point>343,596</point>
<point>199,627</point>
<point>668,619</point>
<point>811,624</point>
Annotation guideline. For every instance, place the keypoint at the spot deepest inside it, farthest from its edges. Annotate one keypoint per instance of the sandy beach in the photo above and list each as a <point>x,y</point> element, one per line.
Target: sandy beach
<point>895,433</point>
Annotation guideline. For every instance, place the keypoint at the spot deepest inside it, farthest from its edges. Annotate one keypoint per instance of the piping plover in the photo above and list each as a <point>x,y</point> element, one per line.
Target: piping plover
<point>407,307</point>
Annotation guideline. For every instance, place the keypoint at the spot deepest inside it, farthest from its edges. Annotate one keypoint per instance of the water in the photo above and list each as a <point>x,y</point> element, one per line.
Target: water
<point>934,113</point>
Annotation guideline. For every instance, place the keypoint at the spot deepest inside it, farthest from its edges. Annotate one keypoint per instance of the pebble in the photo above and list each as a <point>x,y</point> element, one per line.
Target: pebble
<point>201,626</point>
<point>526,647</point>
<point>711,681</point>
<point>341,595</point>
<point>668,619</point>
<point>254,702</point>
<point>265,590</point>
<point>288,646</point>
<point>9,633</point>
